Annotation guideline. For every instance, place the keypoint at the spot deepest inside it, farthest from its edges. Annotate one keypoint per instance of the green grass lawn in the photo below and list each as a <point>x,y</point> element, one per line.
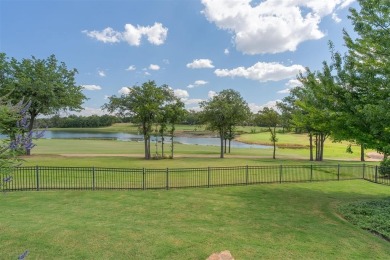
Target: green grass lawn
<point>280,221</point>
<point>72,152</point>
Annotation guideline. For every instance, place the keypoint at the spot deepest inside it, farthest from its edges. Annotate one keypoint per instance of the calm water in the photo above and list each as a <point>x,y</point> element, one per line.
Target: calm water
<point>214,141</point>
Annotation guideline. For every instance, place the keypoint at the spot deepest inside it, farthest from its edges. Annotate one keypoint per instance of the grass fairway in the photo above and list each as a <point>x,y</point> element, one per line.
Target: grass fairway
<point>287,221</point>
<point>108,153</point>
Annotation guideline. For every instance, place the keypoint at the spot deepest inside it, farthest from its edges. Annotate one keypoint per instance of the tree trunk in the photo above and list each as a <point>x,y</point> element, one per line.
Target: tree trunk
<point>274,154</point>
<point>225,145</point>
<point>317,146</point>
<point>162,145</point>
<point>30,128</point>
<point>230,137</point>
<point>146,146</point>
<point>172,145</point>
<point>362,152</point>
<point>221,134</point>
<point>311,145</point>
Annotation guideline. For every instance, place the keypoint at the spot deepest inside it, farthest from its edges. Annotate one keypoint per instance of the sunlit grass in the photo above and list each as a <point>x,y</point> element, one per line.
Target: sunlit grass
<point>287,221</point>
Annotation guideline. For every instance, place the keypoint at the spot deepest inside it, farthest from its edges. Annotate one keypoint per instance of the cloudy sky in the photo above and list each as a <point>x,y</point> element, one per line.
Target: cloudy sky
<point>198,47</point>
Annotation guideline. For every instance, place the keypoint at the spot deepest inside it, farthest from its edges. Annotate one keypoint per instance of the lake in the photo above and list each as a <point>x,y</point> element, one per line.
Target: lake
<point>214,141</point>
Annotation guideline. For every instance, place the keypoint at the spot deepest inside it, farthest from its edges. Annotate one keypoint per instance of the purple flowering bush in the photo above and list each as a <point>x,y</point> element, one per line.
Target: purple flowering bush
<point>14,125</point>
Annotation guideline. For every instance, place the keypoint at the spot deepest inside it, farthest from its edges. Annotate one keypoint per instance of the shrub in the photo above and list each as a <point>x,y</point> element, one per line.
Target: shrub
<point>384,168</point>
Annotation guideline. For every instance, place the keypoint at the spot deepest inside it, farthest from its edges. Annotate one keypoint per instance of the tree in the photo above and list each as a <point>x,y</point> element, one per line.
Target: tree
<point>269,118</point>
<point>47,83</point>
<point>144,104</point>
<point>175,112</point>
<point>223,111</point>
<point>365,73</point>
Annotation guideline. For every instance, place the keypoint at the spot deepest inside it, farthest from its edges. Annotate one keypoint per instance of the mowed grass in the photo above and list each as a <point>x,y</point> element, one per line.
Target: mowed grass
<point>276,221</point>
<point>110,153</point>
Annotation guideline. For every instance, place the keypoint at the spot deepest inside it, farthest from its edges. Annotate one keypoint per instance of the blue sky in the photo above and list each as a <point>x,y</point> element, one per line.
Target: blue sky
<point>197,47</point>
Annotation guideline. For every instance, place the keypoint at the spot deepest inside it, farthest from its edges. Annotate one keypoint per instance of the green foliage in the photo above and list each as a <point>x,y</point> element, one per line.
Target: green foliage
<point>47,83</point>
<point>271,119</point>
<point>147,105</point>
<point>365,75</point>
<point>74,121</point>
<point>385,167</point>
<point>370,215</point>
<point>224,111</point>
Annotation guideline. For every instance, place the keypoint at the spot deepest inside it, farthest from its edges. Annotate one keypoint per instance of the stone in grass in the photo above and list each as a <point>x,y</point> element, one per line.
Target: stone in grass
<point>224,255</point>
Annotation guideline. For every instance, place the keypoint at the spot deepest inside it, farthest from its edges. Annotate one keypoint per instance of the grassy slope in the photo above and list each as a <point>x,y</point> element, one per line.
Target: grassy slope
<point>294,221</point>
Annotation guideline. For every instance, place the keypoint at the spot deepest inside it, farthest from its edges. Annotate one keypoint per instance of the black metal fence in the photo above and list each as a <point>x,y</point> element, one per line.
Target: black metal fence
<point>94,178</point>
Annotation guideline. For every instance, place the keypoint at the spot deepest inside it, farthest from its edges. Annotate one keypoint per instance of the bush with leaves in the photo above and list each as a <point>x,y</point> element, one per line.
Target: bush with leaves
<point>14,124</point>
<point>384,168</point>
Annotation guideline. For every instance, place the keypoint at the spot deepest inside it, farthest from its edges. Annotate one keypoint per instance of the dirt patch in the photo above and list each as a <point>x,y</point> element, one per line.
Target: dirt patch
<point>374,156</point>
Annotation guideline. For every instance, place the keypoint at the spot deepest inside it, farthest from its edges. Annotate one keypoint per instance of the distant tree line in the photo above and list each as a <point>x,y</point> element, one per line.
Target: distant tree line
<point>73,121</point>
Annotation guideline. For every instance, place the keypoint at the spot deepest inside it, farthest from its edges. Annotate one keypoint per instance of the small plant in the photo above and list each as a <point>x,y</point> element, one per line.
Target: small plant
<point>384,168</point>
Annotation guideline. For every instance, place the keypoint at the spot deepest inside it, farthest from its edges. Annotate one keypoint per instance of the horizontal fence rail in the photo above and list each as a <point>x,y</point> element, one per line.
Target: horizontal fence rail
<point>94,178</point>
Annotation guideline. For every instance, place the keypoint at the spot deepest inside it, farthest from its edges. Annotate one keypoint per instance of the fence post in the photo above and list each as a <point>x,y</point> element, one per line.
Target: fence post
<point>246,175</point>
<point>280,173</point>
<point>364,170</point>
<point>93,178</point>
<point>167,186</point>
<point>376,173</point>
<point>311,172</point>
<point>338,172</point>
<point>143,178</point>
<point>37,176</point>
<point>208,177</point>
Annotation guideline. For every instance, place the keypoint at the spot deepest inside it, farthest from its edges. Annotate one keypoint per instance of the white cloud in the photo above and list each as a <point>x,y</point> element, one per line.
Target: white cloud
<point>200,82</point>
<point>197,83</point>
<point>180,93</point>
<point>226,52</point>
<point>271,26</point>
<point>292,83</point>
<point>108,35</point>
<point>124,91</point>
<point>284,91</point>
<point>154,67</point>
<point>193,101</point>
<point>262,72</point>
<point>270,104</point>
<point>211,94</point>
<point>200,64</point>
<point>336,18</point>
<point>89,111</point>
<point>155,34</point>
<point>147,73</point>
<point>91,87</point>
<point>131,67</point>
<point>101,73</point>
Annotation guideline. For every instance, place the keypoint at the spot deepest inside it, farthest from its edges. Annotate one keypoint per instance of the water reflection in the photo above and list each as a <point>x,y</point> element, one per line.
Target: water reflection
<point>214,141</point>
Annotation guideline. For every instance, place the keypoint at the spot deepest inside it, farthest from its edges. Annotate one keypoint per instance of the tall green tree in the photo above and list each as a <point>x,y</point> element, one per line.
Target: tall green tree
<point>175,113</point>
<point>223,111</point>
<point>366,73</point>
<point>269,118</point>
<point>144,104</point>
<point>47,83</point>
